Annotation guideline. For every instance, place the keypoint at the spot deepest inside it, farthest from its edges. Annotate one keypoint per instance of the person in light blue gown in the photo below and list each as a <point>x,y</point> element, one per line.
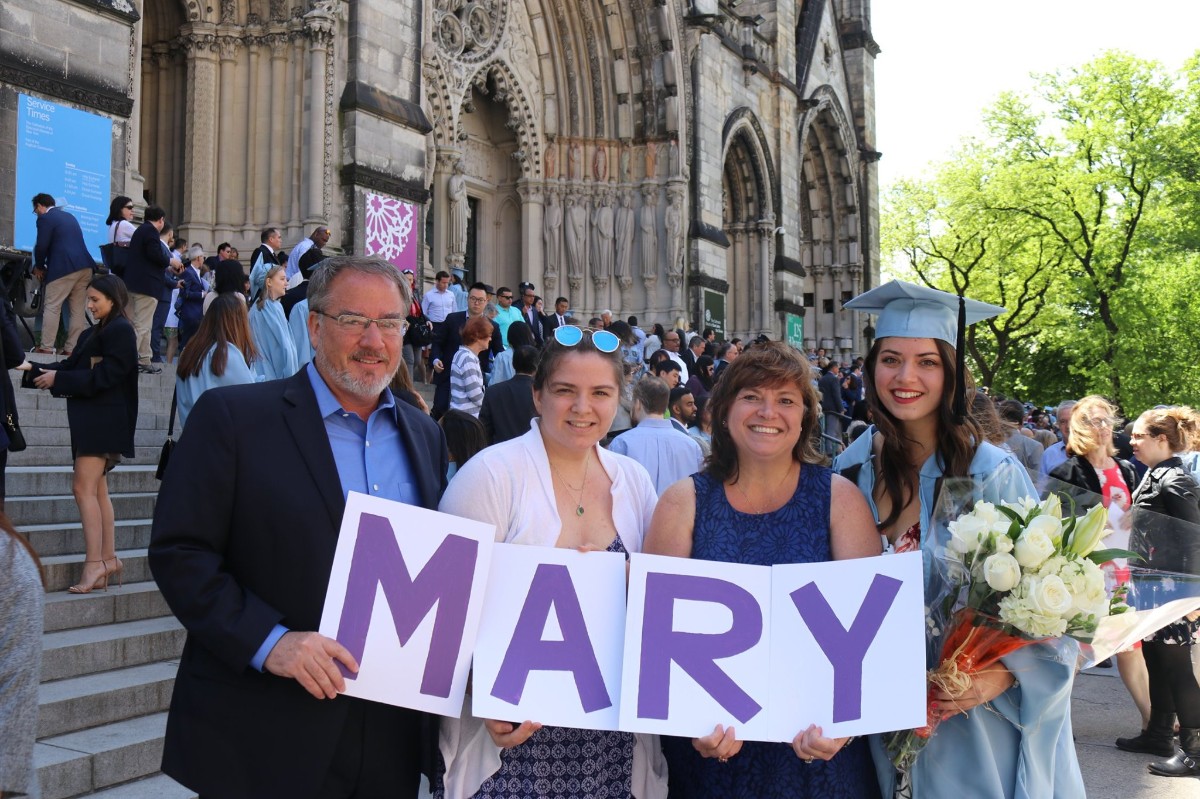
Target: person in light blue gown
<point>298,325</point>
<point>269,327</point>
<point>1008,736</point>
<point>220,354</point>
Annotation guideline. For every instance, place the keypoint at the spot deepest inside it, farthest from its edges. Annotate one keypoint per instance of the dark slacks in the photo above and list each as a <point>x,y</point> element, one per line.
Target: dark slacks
<point>1173,687</point>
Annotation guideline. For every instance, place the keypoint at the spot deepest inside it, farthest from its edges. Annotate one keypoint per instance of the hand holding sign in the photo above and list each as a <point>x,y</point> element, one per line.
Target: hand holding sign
<point>308,658</point>
<point>507,734</point>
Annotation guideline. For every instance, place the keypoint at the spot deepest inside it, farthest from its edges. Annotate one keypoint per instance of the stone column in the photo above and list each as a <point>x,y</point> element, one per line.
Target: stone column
<point>855,290</point>
<point>443,164</point>
<point>229,140</point>
<point>146,123</point>
<point>818,276</point>
<point>766,228</point>
<point>293,141</point>
<point>533,260</point>
<point>836,271</point>
<point>276,208</point>
<point>163,111</point>
<point>320,23</point>
<point>201,139</point>
<point>257,92</point>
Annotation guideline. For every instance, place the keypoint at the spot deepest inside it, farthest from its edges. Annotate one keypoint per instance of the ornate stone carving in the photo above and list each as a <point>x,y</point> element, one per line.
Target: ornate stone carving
<point>604,231</point>
<point>228,47</point>
<point>468,31</point>
<point>600,162</point>
<point>624,238</point>
<point>552,222</point>
<point>673,226</point>
<point>577,224</point>
<point>648,223</point>
<point>228,12</point>
<point>460,214</point>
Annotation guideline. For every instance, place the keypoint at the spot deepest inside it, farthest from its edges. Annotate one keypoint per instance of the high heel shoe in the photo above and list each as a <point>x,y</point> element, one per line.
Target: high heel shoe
<point>117,570</point>
<point>100,582</point>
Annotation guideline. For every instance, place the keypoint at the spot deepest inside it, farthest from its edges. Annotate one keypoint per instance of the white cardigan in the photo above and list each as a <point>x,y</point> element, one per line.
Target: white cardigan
<point>510,485</point>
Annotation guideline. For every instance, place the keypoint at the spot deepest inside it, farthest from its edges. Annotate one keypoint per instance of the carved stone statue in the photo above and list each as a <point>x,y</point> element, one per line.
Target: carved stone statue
<point>551,152</point>
<point>673,159</point>
<point>574,156</point>
<point>600,163</point>
<point>624,163</point>
<point>460,213</point>
<point>624,236</point>
<point>577,220</point>
<point>552,234</point>
<point>648,222</point>
<point>673,224</point>
<point>651,159</point>
<point>604,231</point>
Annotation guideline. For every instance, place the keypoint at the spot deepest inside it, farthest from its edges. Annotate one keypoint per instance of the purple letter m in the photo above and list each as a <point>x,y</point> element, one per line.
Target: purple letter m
<point>445,580</point>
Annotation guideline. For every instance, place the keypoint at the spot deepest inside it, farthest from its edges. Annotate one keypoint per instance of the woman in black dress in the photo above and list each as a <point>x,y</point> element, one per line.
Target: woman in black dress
<point>100,382</point>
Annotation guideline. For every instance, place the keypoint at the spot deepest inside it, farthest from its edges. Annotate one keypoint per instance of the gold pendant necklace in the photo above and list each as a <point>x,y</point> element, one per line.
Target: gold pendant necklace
<point>579,498</point>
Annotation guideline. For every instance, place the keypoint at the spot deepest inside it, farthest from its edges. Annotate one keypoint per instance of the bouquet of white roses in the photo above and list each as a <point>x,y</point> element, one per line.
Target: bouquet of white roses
<point>1014,574</point>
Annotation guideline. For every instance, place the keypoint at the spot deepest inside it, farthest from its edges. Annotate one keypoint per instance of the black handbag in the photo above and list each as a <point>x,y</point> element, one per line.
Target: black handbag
<point>168,446</point>
<point>16,439</point>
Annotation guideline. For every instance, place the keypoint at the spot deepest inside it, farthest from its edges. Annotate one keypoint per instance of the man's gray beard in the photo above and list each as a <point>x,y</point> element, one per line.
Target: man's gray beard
<point>358,387</point>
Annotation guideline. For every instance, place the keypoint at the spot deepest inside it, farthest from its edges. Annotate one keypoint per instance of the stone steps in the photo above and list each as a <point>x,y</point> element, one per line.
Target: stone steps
<point>79,763</point>
<point>109,657</point>
<point>90,650</point>
<point>61,508</point>
<point>62,571</point>
<point>50,480</point>
<point>64,539</point>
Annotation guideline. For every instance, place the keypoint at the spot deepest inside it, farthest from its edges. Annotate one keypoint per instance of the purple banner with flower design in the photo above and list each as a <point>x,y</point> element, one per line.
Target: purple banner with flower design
<point>390,230</point>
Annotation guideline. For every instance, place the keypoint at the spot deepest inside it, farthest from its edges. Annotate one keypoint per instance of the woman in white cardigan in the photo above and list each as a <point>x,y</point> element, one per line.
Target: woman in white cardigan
<point>555,486</point>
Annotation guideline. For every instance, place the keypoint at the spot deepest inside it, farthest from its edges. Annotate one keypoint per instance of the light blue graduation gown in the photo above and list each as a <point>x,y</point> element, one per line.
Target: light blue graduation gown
<point>188,391</point>
<point>298,326</point>
<point>276,350</point>
<point>1021,748</point>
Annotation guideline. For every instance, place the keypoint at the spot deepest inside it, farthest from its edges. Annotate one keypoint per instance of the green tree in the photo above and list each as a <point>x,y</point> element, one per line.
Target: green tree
<point>1080,213</point>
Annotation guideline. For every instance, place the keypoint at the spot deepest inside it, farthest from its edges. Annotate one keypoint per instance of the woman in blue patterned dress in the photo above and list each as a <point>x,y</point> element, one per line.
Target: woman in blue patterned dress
<point>764,499</point>
<point>556,487</point>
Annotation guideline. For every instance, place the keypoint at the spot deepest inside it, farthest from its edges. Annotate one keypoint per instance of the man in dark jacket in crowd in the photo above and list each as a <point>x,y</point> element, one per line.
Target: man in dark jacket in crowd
<point>148,259</point>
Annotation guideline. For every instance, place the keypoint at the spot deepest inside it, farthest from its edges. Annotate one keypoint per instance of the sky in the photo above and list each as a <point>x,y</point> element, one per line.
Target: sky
<point>944,61</point>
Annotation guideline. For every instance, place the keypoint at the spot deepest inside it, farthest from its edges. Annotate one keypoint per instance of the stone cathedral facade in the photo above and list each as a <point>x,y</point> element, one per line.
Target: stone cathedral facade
<point>697,160</point>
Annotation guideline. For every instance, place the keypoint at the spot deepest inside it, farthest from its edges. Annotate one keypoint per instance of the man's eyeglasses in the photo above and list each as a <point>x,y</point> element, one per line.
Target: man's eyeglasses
<point>570,335</point>
<point>353,323</point>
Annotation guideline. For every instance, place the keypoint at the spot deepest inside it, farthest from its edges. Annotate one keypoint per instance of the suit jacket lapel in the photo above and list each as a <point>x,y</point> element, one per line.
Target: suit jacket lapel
<point>418,460</point>
<point>304,421</point>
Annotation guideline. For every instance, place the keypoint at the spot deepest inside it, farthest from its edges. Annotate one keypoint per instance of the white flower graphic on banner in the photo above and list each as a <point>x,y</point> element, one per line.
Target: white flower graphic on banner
<point>389,228</point>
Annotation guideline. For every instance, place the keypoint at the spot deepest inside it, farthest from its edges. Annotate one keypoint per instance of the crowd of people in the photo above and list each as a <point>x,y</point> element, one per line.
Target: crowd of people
<point>295,386</point>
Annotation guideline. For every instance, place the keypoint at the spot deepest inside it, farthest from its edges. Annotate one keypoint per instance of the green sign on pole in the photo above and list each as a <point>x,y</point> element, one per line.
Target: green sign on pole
<point>795,331</point>
<point>714,313</point>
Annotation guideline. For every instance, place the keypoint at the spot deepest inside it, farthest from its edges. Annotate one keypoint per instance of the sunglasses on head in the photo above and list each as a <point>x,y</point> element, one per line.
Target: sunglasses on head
<point>570,335</point>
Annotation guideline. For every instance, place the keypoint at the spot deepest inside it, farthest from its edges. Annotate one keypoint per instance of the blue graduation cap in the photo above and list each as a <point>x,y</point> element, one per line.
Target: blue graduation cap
<point>911,311</point>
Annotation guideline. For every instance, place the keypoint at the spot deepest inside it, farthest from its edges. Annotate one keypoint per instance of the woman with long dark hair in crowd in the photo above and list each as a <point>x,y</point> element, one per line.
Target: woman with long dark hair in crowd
<point>1166,533</point>
<point>120,230</point>
<point>996,739</point>
<point>465,437</point>
<point>221,353</point>
<point>556,487</point>
<point>764,498</point>
<point>99,381</point>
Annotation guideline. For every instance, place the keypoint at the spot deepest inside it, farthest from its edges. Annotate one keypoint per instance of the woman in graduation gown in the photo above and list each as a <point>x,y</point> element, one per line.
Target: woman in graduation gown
<point>219,354</point>
<point>1009,735</point>
<point>269,327</point>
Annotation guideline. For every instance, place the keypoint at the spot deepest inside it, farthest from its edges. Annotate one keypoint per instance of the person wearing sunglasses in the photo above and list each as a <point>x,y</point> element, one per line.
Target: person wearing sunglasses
<point>555,486</point>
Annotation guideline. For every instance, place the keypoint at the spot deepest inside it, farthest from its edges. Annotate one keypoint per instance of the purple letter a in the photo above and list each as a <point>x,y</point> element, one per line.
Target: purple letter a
<point>846,648</point>
<point>552,587</point>
<point>695,653</point>
<point>445,580</point>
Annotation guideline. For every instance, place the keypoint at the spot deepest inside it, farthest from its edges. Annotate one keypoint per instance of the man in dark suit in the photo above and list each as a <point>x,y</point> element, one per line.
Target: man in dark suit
<point>530,314</point>
<point>61,260</point>
<point>446,340</point>
<point>256,710</point>
<point>191,298</point>
<point>508,405</point>
<point>147,261</point>
<point>268,249</point>
<point>553,320</point>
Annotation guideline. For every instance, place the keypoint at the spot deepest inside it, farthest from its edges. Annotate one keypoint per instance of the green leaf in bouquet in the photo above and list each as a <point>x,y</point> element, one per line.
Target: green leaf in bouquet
<point>1011,514</point>
<point>1105,555</point>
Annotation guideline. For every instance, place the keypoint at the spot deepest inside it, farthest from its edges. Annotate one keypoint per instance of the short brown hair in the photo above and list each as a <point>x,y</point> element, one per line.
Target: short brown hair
<point>1180,424</point>
<point>770,364</point>
<point>476,329</point>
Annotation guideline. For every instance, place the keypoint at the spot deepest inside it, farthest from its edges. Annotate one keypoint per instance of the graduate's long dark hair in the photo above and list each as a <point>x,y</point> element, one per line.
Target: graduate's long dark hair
<point>956,441</point>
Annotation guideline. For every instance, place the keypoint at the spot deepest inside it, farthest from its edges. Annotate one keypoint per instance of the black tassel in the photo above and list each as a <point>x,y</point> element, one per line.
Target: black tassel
<point>960,365</point>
